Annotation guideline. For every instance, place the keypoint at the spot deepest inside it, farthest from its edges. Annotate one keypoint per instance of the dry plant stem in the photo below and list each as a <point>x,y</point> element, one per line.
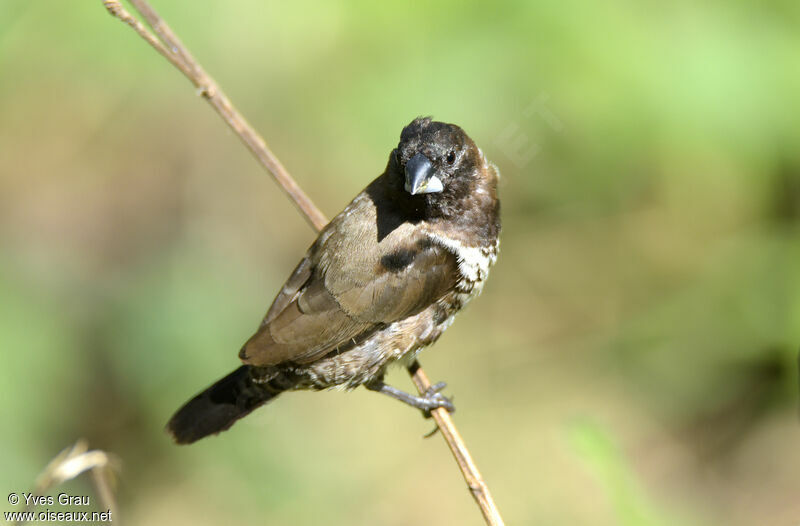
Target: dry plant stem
<point>78,459</point>
<point>475,483</point>
<point>173,50</point>
<point>102,485</point>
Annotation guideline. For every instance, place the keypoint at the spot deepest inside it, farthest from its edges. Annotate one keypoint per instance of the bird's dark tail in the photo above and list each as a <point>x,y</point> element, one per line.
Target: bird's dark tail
<point>231,398</point>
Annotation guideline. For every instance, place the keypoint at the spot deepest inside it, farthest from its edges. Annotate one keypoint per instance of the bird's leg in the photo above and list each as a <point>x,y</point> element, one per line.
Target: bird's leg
<point>432,399</point>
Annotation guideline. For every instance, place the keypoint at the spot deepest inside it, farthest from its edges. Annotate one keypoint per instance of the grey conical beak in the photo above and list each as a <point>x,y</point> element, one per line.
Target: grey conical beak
<point>420,178</point>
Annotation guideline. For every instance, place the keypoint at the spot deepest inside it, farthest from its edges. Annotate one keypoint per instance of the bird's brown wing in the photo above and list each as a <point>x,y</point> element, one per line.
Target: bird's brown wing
<point>296,281</point>
<point>348,285</point>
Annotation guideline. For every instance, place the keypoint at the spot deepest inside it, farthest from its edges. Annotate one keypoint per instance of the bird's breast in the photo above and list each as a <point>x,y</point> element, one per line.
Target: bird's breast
<point>474,263</point>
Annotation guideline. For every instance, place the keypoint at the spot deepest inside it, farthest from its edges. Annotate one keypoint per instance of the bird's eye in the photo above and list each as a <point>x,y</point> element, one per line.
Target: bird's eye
<point>451,157</point>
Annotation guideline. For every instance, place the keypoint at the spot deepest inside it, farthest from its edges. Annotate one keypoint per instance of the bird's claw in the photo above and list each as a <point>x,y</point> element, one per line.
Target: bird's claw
<point>434,399</point>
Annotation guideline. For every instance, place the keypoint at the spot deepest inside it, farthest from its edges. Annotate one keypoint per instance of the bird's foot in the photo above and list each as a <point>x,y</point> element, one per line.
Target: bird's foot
<point>435,399</point>
<point>430,400</point>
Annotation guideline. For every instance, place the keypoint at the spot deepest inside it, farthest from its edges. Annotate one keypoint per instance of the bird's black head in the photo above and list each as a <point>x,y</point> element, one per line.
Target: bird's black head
<point>438,162</point>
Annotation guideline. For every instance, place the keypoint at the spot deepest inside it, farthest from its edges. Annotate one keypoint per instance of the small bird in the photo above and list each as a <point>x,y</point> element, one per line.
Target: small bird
<point>383,279</point>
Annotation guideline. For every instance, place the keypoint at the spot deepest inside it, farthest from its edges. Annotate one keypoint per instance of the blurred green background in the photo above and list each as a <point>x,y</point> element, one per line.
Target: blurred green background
<point>632,359</point>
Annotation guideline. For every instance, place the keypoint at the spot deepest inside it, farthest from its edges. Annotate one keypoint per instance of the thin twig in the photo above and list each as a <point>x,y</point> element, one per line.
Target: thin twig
<point>173,50</point>
<point>473,478</point>
<point>78,459</point>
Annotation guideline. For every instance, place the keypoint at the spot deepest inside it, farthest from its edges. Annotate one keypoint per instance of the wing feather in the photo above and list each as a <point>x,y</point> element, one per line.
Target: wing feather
<point>350,284</point>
